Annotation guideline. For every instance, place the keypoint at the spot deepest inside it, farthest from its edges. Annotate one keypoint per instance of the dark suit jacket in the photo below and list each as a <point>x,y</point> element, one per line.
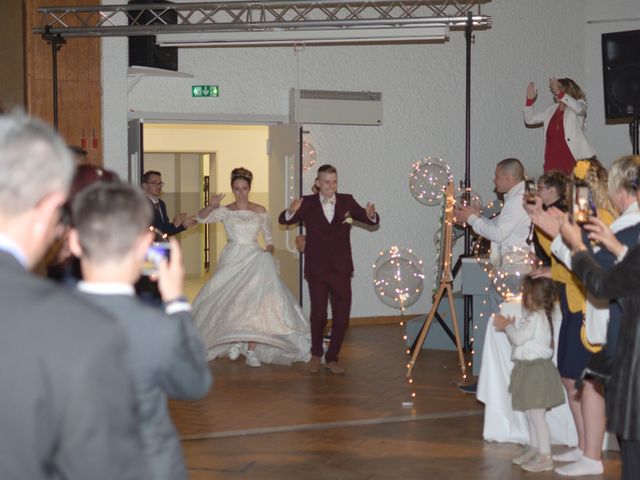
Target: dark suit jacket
<point>67,405</point>
<point>623,389</point>
<point>163,223</point>
<point>629,237</point>
<point>168,359</point>
<point>328,245</point>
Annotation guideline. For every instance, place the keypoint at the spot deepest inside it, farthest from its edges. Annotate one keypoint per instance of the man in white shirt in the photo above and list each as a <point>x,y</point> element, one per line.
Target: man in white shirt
<point>512,227</point>
<point>509,230</point>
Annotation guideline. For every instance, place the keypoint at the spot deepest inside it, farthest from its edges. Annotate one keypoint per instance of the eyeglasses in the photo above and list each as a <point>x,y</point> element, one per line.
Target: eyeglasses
<point>155,183</point>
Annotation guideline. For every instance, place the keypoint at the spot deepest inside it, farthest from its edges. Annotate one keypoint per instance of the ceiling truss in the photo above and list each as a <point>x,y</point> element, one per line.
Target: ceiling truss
<point>266,15</point>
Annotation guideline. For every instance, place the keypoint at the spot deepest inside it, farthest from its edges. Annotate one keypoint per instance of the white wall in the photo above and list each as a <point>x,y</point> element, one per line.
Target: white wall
<point>423,96</point>
<point>610,141</point>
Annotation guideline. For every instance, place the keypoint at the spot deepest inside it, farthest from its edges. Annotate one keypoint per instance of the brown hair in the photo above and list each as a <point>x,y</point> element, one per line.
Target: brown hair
<point>148,174</point>
<point>572,89</point>
<point>242,173</point>
<point>539,294</point>
<point>327,169</point>
<point>558,180</point>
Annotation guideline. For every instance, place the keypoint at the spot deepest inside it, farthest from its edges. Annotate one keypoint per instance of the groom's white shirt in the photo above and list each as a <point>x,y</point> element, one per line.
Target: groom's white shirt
<point>328,207</point>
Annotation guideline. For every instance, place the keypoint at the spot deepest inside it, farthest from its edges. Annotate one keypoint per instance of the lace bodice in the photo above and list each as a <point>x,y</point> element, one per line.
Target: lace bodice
<point>241,226</point>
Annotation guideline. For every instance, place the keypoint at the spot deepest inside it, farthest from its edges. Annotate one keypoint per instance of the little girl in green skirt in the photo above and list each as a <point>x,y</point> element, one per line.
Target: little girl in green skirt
<point>535,382</point>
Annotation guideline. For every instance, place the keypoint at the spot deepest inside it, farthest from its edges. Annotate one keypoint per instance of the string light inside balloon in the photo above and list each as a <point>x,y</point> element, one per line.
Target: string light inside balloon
<point>398,277</point>
<point>428,179</point>
<point>309,156</point>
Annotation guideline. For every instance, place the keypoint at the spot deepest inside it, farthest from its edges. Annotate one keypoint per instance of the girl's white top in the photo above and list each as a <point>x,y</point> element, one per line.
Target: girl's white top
<point>530,336</point>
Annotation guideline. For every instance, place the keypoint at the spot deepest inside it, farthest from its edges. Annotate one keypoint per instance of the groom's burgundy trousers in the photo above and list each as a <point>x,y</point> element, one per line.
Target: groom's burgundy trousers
<point>336,288</point>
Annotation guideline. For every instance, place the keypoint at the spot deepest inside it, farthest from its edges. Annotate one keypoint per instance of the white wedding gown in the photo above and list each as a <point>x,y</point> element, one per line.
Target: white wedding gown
<point>245,299</point>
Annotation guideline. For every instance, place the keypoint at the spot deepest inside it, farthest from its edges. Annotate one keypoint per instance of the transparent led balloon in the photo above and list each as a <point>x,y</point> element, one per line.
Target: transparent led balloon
<point>428,179</point>
<point>309,155</point>
<point>468,198</point>
<point>398,277</point>
<point>510,269</point>
<point>437,238</point>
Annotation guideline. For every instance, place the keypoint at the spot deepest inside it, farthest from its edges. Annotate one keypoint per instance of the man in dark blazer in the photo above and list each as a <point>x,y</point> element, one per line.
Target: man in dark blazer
<point>328,265</point>
<point>168,357</point>
<point>152,185</point>
<point>67,407</point>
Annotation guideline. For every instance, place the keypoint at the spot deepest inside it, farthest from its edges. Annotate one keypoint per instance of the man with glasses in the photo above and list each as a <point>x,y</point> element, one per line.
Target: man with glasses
<point>152,185</point>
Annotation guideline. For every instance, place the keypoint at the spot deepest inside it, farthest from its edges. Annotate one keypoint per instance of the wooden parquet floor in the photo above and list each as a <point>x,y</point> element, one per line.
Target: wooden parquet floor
<point>278,422</point>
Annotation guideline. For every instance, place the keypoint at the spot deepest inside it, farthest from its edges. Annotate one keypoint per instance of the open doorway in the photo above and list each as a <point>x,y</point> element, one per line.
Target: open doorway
<point>194,157</point>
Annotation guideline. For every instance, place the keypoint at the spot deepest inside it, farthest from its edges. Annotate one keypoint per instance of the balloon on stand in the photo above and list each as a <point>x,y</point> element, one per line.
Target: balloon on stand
<point>398,277</point>
<point>428,179</point>
<point>468,198</point>
<point>510,269</point>
<point>309,155</point>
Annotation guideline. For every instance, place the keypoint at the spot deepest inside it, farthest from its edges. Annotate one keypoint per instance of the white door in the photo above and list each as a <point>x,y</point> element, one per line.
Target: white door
<point>284,185</point>
<point>134,134</point>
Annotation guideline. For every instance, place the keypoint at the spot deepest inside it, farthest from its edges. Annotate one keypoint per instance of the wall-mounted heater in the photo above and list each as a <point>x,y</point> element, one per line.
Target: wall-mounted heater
<point>335,107</point>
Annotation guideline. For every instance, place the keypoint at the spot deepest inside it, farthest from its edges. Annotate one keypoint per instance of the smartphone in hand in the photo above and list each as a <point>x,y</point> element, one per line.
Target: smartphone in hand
<point>530,192</point>
<point>156,252</point>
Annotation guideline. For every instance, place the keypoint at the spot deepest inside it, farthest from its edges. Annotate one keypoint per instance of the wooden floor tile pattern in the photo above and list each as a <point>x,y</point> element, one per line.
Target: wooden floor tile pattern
<point>245,398</point>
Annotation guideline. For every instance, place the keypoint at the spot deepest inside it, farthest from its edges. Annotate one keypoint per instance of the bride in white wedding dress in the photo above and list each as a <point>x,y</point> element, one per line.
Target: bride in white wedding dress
<point>245,308</point>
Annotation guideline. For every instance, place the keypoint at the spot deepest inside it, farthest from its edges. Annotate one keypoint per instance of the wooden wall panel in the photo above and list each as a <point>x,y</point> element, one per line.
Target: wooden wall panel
<point>12,54</point>
<point>79,85</point>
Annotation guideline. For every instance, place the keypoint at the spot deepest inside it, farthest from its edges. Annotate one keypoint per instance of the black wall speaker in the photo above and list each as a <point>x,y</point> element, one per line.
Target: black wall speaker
<point>143,50</point>
<point>621,71</point>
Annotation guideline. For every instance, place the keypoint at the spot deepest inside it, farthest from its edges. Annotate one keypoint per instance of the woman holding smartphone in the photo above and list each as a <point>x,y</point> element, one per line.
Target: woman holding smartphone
<point>587,404</point>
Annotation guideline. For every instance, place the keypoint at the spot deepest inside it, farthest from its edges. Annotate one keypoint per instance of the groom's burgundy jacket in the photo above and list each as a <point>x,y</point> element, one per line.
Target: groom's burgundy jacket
<point>328,245</point>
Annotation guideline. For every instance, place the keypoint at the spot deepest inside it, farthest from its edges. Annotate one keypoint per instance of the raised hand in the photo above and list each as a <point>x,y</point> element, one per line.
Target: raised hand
<point>532,91</point>
<point>215,200</point>
<point>371,210</point>
<point>602,234</point>
<point>213,204</point>
<point>295,206</point>
<point>171,273</point>
<point>555,86</point>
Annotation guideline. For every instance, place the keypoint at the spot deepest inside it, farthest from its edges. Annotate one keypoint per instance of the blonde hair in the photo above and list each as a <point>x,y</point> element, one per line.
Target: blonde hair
<point>572,89</point>
<point>596,178</point>
<point>623,174</point>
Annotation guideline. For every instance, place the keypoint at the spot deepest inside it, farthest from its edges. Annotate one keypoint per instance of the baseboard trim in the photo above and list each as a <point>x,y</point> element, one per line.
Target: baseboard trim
<point>382,320</point>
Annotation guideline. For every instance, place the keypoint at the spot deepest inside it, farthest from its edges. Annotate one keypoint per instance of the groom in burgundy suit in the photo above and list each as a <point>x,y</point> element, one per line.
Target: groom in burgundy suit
<point>328,267</point>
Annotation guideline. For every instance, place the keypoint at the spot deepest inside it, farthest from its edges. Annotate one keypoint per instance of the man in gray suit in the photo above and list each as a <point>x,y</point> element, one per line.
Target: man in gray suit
<point>167,355</point>
<point>67,406</point>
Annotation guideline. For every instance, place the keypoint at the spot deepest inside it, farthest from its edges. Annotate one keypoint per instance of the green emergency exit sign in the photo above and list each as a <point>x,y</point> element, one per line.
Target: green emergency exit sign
<point>205,91</point>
